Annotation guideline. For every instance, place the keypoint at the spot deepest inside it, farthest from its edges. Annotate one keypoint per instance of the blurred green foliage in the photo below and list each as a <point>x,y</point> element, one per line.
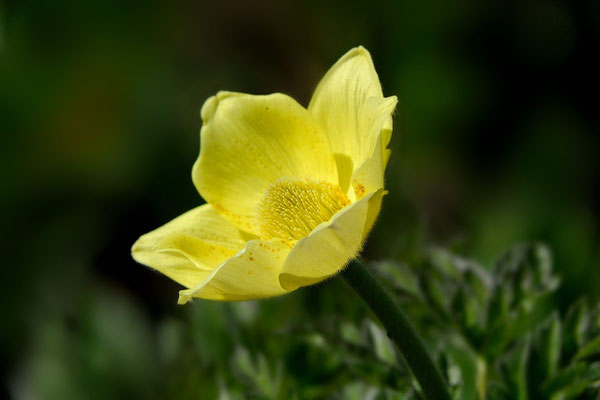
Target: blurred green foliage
<point>498,332</point>
<point>495,335</point>
<point>495,142</point>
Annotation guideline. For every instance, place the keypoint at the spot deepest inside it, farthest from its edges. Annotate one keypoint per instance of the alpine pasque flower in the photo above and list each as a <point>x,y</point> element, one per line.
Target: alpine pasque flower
<point>291,192</point>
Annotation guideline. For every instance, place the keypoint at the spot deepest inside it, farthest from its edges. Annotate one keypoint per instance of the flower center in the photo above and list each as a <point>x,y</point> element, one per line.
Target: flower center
<point>291,209</point>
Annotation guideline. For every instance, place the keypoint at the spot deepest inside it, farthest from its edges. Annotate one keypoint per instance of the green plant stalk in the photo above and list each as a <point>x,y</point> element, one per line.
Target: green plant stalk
<point>364,283</point>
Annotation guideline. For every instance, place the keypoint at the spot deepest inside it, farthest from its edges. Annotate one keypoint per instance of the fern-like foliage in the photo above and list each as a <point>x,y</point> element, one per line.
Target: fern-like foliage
<point>497,333</point>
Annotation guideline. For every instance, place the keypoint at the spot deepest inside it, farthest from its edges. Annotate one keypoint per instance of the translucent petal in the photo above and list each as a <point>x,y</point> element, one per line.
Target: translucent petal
<point>350,106</point>
<point>247,143</point>
<point>189,247</point>
<point>253,273</point>
<point>368,177</point>
<point>331,245</point>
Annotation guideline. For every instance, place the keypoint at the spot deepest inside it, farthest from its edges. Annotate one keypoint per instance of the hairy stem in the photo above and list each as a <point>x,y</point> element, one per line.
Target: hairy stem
<point>364,283</point>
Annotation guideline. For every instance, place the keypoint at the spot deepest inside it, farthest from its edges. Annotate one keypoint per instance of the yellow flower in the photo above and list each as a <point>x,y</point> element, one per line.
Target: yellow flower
<point>291,192</point>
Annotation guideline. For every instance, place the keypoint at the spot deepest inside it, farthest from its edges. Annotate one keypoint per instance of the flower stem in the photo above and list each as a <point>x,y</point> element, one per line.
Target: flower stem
<point>399,329</point>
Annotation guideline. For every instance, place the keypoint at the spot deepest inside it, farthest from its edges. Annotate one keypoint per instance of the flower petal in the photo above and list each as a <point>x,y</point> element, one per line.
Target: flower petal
<point>189,247</point>
<point>248,142</point>
<point>349,104</point>
<point>368,177</point>
<point>253,273</point>
<point>331,245</point>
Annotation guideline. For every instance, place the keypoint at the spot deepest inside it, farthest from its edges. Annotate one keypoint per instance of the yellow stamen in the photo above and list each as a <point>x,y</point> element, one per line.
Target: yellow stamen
<point>291,209</point>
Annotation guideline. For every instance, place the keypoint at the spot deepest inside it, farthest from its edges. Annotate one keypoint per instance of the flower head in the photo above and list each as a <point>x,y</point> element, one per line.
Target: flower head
<point>291,192</point>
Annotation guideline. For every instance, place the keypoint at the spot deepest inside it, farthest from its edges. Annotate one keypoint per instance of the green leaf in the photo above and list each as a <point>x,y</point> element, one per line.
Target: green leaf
<point>514,369</point>
<point>359,391</point>
<point>350,333</point>
<point>467,310</point>
<point>525,319</point>
<point>528,269</point>
<point>545,357</point>
<point>500,304</point>
<point>590,349</point>
<point>479,281</point>
<point>573,380</point>
<point>446,263</point>
<point>400,276</point>
<point>257,372</point>
<point>472,369</point>
<point>384,349</point>
<point>563,378</point>
<point>437,290</point>
<point>576,325</point>
<point>550,344</point>
<point>471,299</point>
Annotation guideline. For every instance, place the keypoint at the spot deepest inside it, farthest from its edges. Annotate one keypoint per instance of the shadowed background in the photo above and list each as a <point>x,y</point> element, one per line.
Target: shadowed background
<point>495,142</point>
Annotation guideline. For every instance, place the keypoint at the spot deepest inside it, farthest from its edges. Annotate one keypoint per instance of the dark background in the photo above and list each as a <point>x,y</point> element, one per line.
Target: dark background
<point>495,142</point>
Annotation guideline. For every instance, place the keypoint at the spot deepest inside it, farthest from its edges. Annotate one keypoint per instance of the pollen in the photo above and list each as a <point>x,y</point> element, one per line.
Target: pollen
<point>291,209</point>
